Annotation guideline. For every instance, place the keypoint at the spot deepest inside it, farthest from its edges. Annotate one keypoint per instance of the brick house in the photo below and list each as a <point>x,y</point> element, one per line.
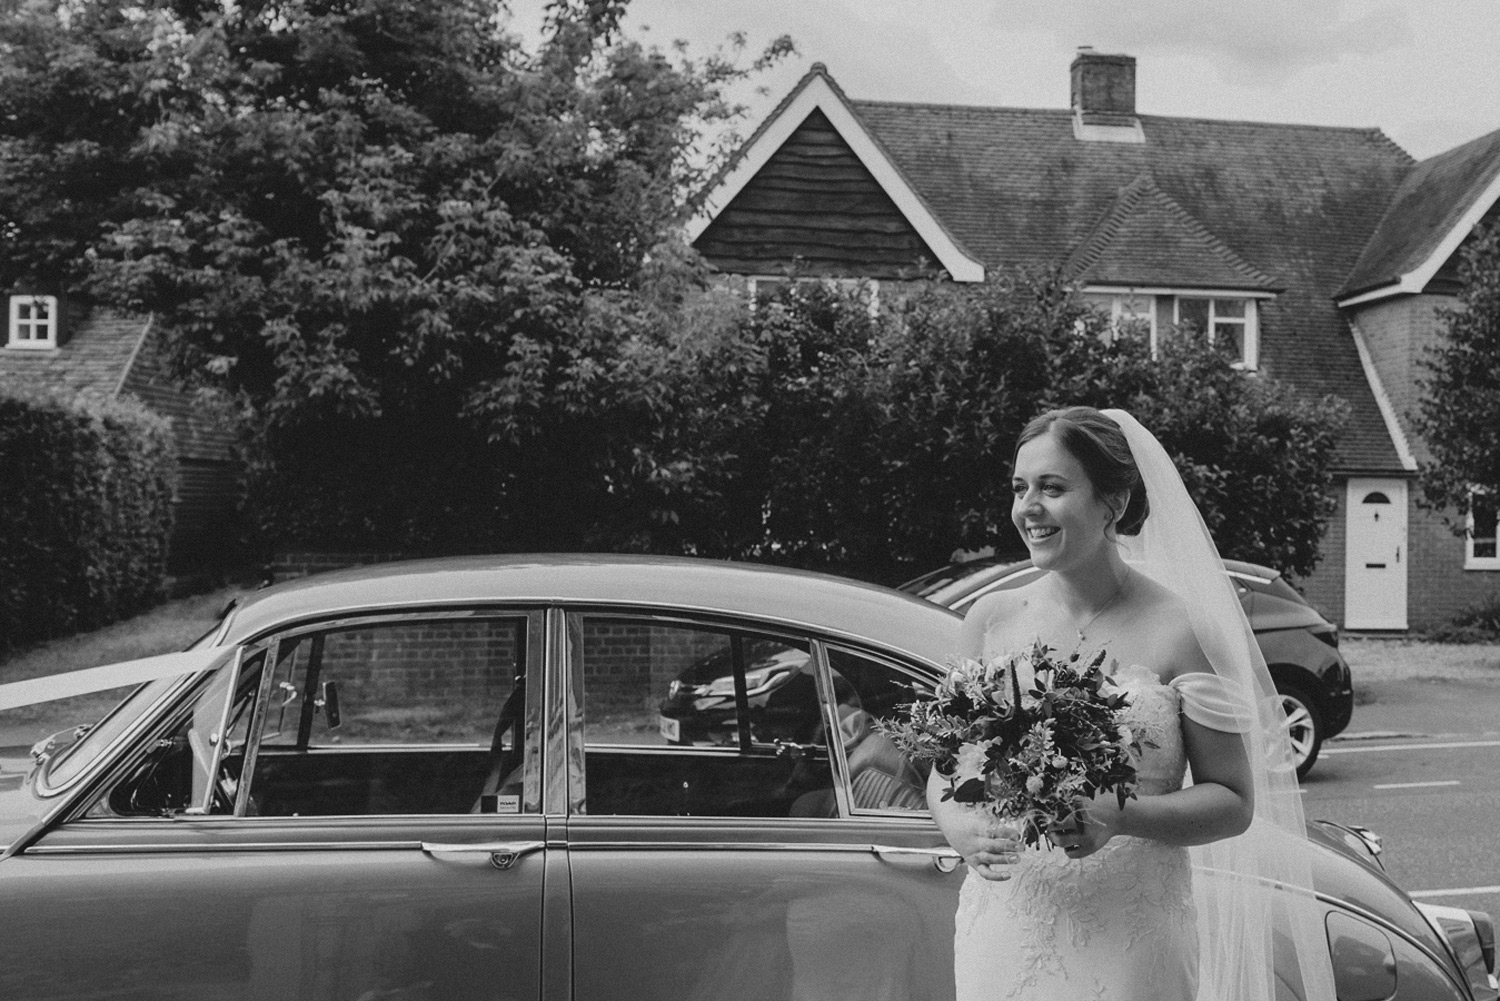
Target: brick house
<point>1316,255</point>
<point>97,353</point>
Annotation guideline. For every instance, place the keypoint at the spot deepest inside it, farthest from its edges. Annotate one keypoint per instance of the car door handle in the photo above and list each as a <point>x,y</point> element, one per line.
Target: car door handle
<point>503,854</point>
<point>943,859</point>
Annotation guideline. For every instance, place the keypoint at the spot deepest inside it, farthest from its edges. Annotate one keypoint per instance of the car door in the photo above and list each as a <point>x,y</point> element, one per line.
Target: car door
<point>738,828</point>
<point>349,810</point>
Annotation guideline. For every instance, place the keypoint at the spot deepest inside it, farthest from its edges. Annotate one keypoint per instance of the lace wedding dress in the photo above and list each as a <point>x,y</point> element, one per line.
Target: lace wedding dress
<point>1117,925</point>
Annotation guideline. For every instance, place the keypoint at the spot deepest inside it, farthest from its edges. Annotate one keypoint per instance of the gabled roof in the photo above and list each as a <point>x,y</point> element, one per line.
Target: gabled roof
<point>92,362</point>
<point>1435,208</point>
<point>109,354</point>
<point>1274,207</point>
<point>816,91</point>
<point>1145,238</point>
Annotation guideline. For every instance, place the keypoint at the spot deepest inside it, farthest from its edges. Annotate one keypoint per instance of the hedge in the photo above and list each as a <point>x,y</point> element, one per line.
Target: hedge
<point>85,510</point>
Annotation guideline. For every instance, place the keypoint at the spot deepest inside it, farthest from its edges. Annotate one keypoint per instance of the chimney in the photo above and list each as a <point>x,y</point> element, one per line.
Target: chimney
<point>1103,84</point>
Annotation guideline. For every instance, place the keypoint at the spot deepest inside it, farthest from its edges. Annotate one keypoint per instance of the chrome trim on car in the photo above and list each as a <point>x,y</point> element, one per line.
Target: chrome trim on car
<point>179,848</point>
<point>566,788</point>
<point>503,854</point>
<point>256,725</point>
<point>219,737</point>
<point>533,777</point>
<point>864,848</point>
<point>681,612</point>
<point>828,706</point>
<point>1242,575</point>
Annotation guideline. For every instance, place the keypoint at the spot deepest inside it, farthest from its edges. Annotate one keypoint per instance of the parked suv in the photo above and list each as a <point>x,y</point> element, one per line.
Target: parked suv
<point>1300,645</point>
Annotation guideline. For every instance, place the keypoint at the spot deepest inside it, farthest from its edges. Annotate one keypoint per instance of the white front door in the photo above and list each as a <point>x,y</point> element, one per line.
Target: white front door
<point>1376,555</point>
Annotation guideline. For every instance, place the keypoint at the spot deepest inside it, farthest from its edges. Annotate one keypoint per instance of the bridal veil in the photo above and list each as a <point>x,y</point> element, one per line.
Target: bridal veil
<point>1253,892</point>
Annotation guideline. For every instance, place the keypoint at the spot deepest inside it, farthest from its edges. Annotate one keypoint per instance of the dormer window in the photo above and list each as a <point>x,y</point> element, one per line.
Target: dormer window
<point>1229,324</point>
<point>1230,321</point>
<point>33,321</point>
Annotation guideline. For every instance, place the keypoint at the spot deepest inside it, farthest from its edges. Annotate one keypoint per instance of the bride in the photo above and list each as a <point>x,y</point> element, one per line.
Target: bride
<point>1164,899</point>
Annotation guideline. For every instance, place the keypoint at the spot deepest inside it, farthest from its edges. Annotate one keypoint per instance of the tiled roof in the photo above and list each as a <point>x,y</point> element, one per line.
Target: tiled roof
<point>109,353</point>
<point>1145,238</point>
<point>1292,204</point>
<point>92,362</point>
<point>1429,203</point>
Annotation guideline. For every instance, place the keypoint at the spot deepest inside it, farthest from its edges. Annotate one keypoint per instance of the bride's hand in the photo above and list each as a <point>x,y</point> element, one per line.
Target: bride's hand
<point>989,846</point>
<point>1089,829</point>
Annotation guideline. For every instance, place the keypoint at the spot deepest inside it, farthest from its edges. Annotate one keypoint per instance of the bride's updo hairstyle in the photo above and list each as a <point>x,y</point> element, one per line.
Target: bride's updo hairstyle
<point>1101,449</point>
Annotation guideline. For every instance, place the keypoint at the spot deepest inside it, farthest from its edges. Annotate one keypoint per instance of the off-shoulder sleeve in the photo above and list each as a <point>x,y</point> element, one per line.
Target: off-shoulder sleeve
<point>1214,702</point>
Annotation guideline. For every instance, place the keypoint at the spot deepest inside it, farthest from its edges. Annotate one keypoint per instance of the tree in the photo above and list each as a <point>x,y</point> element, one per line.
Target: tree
<point>406,244</point>
<point>814,432</point>
<point>1459,412</point>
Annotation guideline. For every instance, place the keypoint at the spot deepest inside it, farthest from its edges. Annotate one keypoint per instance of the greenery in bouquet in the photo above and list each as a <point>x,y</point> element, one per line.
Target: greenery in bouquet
<point>1026,750</point>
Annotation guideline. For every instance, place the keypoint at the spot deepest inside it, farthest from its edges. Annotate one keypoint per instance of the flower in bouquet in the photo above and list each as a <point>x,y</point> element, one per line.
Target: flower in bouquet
<point>1024,736</point>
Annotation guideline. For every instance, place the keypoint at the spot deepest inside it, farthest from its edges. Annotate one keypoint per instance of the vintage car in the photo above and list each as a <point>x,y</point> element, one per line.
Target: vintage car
<point>448,780</point>
<point>1300,644</point>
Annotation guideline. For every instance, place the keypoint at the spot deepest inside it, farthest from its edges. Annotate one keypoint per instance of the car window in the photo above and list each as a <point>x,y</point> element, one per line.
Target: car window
<point>869,689</point>
<point>682,719</point>
<point>386,716</point>
<point>195,764</point>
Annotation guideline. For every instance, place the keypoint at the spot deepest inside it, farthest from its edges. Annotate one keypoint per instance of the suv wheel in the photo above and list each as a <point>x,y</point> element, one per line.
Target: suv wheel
<point>1304,726</point>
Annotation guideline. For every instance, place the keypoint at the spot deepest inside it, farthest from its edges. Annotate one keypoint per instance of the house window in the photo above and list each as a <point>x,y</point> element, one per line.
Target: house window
<point>1229,323</point>
<point>33,321</point>
<point>1483,535</point>
<point>763,287</point>
<point>1129,315</point>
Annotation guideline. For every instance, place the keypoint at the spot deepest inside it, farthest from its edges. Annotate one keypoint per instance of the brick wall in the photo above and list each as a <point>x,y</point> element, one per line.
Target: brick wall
<point>434,661</point>
<point>1398,333</point>
<point>628,666</point>
<point>1325,586</point>
<point>1439,586</point>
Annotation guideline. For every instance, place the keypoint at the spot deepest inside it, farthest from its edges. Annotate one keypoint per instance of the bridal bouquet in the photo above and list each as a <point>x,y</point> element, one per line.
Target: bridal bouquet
<point>1024,750</point>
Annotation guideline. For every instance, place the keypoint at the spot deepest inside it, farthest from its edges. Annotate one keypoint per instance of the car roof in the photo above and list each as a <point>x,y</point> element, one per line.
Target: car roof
<point>821,602</point>
<point>953,582</point>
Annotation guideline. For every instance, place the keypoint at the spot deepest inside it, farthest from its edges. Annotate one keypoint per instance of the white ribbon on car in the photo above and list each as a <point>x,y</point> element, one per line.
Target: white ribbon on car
<point>102,679</point>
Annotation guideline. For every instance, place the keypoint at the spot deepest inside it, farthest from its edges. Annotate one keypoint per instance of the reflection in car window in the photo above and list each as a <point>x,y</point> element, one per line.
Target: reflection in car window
<point>387,717</point>
<point>880,776</point>
<point>699,721</point>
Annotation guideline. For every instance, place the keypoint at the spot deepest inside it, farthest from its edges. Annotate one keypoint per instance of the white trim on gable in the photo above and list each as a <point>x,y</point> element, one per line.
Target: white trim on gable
<point>1415,280</point>
<point>819,95</point>
<point>1383,401</point>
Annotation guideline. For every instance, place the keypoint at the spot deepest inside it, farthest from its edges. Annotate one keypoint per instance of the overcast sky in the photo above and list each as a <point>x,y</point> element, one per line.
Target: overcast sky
<point>1425,71</point>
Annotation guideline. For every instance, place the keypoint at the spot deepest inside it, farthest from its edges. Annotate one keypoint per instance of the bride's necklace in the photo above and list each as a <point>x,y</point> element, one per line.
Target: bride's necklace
<point>1083,629</point>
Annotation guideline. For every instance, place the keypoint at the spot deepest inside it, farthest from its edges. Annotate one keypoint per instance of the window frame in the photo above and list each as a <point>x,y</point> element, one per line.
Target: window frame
<point>50,324</point>
<point>1249,360</point>
<point>818,645</point>
<point>1472,562</point>
<point>529,618</point>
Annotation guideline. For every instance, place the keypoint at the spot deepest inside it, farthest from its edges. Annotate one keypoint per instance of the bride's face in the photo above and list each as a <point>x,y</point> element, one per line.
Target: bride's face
<point>1055,507</point>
